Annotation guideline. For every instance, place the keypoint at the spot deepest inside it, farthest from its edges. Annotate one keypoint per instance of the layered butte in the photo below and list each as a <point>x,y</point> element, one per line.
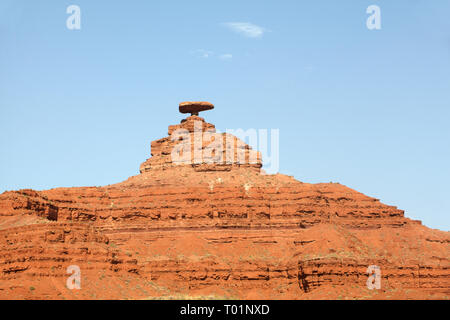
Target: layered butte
<point>202,221</point>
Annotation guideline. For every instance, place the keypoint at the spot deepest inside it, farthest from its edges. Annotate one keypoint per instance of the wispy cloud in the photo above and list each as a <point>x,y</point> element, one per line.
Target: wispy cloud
<point>201,53</point>
<point>205,54</point>
<point>226,56</point>
<point>247,29</point>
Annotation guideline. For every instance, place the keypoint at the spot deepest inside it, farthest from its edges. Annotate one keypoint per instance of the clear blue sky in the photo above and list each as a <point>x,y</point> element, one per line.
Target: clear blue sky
<point>368,109</point>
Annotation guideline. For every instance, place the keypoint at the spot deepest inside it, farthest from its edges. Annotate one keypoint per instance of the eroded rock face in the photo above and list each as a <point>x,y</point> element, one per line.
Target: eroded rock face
<point>216,230</point>
<point>195,144</point>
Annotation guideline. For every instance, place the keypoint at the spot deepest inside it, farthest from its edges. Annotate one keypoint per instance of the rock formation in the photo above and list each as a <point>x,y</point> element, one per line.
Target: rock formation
<point>194,107</point>
<point>202,221</point>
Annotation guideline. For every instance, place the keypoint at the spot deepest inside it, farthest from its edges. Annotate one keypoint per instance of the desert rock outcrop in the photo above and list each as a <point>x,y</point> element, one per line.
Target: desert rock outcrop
<point>214,226</point>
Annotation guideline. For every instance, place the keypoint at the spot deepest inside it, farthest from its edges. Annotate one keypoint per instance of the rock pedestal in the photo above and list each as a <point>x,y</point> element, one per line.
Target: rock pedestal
<point>194,143</point>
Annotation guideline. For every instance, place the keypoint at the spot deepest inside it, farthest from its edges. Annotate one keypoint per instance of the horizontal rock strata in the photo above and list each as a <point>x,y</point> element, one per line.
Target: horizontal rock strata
<point>205,229</point>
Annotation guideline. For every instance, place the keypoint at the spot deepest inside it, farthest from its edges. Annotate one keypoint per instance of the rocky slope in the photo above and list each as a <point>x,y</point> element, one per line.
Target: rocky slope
<point>214,227</point>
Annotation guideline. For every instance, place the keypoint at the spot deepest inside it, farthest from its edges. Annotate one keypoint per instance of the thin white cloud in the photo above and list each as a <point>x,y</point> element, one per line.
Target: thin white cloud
<point>201,53</point>
<point>226,56</point>
<point>246,29</point>
<point>205,54</point>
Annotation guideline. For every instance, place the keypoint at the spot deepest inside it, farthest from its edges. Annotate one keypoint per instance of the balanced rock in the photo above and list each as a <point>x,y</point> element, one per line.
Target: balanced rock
<point>194,107</point>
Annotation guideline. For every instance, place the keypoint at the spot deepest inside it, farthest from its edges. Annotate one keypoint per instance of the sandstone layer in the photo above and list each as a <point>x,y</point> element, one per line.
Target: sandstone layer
<point>194,107</point>
<point>214,229</point>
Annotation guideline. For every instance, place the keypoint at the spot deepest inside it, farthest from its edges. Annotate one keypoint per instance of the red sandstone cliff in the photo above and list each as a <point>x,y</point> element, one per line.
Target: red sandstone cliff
<point>215,230</point>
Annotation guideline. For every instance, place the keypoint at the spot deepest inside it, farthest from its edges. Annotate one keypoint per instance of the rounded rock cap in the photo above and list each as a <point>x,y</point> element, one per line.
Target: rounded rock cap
<point>194,107</point>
